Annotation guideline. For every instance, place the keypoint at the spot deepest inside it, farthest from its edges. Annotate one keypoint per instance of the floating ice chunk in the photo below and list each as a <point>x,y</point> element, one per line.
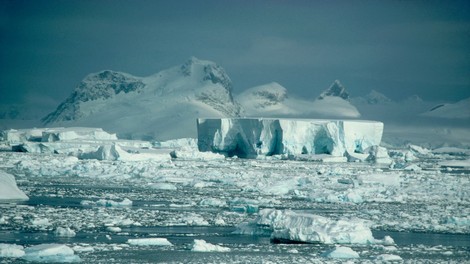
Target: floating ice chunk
<point>11,251</point>
<point>378,155</point>
<point>9,191</point>
<point>107,203</point>
<point>64,232</point>
<point>455,163</point>
<point>420,150</point>
<point>287,225</point>
<point>388,257</point>
<point>40,222</point>
<point>163,186</point>
<point>181,143</point>
<point>200,245</point>
<point>341,253</point>
<point>384,179</point>
<point>451,150</point>
<point>114,229</point>
<point>153,241</point>
<point>248,138</point>
<point>413,167</point>
<point>50,253</point>
<point>212,202</point>
<point>116,152</point>
<point>75,133</point>
<point>195,155</point>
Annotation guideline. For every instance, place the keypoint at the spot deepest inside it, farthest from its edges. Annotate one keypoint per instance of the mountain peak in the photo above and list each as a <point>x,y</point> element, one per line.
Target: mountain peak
<point>374,97</point>
<point>207,70</point>
<point>335,89</point>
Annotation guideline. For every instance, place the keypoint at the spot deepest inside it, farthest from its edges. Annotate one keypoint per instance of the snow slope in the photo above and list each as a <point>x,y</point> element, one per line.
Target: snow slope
<point>162,106</point>
<point>272,100</point>
<point>458,110</point>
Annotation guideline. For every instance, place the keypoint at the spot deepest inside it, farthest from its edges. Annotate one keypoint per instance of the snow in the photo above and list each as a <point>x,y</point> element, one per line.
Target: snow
<point>287,225</point>
<point>11,251</point>
<point>9,191</point>
<point>154,241</point>
<point>263,136</point>
<point>341,253</point>
<point>200,245</point>
<point>50,253</point>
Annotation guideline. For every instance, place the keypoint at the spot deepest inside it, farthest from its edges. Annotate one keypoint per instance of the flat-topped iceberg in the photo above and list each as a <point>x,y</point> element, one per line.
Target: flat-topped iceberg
<point>250,137</point>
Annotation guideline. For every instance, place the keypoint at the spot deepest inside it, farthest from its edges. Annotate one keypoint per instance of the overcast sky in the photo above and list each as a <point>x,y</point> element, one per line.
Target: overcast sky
<point>399,48</point>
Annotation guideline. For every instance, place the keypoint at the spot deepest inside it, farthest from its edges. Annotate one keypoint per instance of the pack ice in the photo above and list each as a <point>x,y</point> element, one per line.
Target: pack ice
<point>250,137</point>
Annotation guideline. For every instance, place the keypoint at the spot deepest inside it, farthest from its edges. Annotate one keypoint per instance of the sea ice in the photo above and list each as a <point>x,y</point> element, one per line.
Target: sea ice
<point>9,191</point>
<point>50,253</point>
<point>341,253</point>
<point>200,245</point>
<point>153,241</point>
<point>248,138</point>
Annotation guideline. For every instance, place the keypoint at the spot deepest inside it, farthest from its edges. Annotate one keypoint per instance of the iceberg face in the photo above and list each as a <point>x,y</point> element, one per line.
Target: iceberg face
<point>248,138</point>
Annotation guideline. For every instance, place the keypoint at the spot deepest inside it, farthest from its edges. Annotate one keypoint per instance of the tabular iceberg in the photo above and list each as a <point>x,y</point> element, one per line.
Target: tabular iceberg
<point>250,137</point>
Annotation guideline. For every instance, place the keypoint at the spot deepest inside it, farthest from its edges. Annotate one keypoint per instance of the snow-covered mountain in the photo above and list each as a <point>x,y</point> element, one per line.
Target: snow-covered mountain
<point>272,100</point>
<point>336,89</point>
<point>458,110</point>
<point>373,98</point>
<point>162,106</point>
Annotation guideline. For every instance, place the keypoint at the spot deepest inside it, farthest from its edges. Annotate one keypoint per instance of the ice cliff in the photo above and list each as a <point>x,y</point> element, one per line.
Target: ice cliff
<point>248,138</point>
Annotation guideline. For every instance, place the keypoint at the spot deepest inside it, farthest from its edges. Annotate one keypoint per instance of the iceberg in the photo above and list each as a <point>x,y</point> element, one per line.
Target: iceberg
<point>250,137</point>
<point>9,191</point>
<point>51,253</point>
<point>290,226</point>
<point>153,241</point>
<point>11,251</point>
<point>200,245</point>
<point>341,253</point>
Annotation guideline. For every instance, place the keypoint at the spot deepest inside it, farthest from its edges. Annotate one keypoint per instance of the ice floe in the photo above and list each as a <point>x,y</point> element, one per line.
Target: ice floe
<point>341,253</point>
<point>200,245</point>
<point>51,253</point>
<point>153,241</point>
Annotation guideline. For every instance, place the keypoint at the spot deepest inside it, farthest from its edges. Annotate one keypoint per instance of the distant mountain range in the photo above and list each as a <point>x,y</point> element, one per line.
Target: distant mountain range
<point>165,105</point>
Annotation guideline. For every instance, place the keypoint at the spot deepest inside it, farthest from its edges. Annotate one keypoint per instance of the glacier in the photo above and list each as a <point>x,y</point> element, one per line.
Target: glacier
<point>252,137</point>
